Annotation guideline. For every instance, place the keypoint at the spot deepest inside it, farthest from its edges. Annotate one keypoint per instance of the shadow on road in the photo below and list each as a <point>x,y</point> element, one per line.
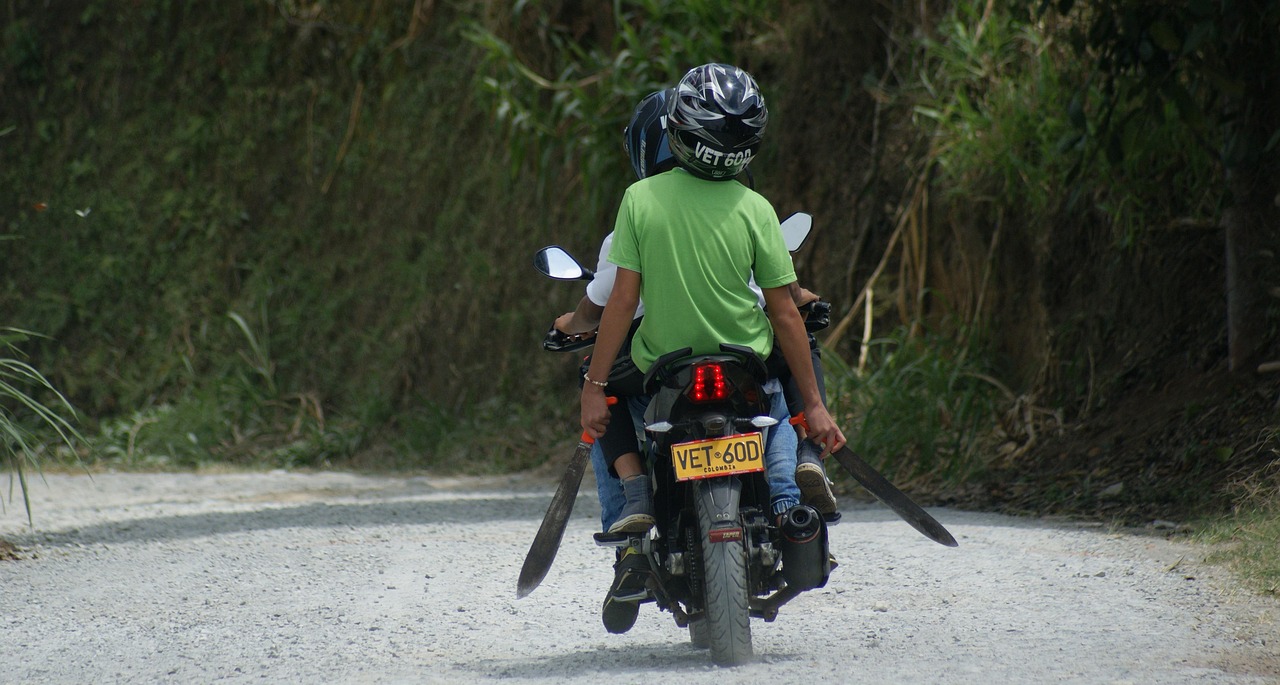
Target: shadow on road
<point>653,660</point>
<point>474,509</point>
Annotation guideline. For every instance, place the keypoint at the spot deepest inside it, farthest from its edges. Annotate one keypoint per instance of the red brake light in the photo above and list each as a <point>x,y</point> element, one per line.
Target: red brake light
<point>709,384</point>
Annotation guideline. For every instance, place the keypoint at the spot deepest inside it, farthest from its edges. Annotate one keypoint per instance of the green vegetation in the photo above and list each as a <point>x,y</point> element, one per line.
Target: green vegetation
<point>594,77</point>
<point>1247,544</point>
<point>26,399</point>
<point>918,406</point>
<point>258,249</point>
<point>272,233</point>
<point>1246,539</point>
<point>1012,121</point>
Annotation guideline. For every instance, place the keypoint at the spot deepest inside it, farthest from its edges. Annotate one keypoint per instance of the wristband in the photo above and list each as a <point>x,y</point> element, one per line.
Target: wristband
<point>599,384</point>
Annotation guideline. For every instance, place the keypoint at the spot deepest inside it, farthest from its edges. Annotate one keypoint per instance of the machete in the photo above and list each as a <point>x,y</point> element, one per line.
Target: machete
<point>893,498</point>
<point>547,541</point>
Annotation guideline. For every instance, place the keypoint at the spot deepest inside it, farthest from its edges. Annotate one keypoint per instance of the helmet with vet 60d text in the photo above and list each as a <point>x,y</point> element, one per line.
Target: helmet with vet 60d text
<point>645,137</point>
<point>715,120</point>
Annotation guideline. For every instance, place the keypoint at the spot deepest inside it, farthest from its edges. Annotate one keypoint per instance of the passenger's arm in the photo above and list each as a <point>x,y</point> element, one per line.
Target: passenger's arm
<point>584,319</point>
<point>615,322</point>
<point>801,296</point>
<point>788,328</point>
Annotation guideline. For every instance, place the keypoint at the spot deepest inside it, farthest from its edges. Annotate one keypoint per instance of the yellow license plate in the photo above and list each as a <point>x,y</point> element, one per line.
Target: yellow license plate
<point>718,456</point>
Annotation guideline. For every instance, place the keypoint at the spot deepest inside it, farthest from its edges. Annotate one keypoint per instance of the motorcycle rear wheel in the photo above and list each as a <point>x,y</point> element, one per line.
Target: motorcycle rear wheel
<point>700,634</point>
<point>726,601</point>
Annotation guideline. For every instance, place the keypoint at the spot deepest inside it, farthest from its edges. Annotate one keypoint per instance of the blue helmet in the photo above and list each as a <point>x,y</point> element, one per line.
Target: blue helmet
<point>645,138</point>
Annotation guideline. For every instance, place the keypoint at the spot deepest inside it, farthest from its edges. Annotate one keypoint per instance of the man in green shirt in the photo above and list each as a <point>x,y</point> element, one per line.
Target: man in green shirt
<point>699,265</point>
<point>688,241</point>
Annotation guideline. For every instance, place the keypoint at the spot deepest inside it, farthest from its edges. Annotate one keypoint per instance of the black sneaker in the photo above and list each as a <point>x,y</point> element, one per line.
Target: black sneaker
<point>811,478</point>
<point>622,604</point>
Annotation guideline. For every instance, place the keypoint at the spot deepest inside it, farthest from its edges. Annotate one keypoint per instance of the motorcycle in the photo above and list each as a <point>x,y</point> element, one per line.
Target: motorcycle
<point>716,554</point>
<point>717,557</point>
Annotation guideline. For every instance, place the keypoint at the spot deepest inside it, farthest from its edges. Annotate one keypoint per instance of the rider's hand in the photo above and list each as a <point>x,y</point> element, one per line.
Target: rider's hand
<point>595,410</point>
<point>802,296</point>
<point>564,325</point>
<point>823,430</point>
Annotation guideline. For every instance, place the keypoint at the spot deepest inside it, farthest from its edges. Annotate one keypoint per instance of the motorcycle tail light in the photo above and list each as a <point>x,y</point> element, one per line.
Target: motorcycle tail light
<point>709,384</point>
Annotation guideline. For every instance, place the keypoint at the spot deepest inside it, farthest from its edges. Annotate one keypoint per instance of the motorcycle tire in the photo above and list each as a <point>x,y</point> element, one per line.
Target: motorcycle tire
<point>700,634</point>
<point>726,600</point>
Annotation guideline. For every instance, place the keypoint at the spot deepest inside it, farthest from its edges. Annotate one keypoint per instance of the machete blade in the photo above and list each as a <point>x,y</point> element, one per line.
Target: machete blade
<point>547,542</point>
<point>894,498</point>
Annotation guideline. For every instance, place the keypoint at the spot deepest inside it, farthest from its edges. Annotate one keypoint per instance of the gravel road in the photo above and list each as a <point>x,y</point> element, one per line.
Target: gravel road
<point>331,577</point>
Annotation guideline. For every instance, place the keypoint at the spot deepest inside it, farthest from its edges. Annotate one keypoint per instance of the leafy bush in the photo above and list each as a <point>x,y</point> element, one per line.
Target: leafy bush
<point>921,406</point>
<point>1015,125</point>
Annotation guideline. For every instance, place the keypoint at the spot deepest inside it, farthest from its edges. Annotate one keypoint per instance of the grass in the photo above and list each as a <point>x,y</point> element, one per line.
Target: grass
<point>194,435</point>
<point>920,408</point>
<point>202,430</point>
<point>1246,541</point>
<point>499,436</point>
<point>29,403</point>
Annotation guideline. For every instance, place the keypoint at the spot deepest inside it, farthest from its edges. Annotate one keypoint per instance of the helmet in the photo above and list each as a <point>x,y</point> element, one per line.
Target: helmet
<point>645,138</point>
<point>716,119</point>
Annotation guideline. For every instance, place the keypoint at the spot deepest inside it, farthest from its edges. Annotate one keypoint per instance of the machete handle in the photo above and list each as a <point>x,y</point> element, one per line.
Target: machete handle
<point>610,401</point>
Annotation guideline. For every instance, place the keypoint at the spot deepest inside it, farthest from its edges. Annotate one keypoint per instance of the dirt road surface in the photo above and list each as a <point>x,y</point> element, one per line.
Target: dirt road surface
<point>339,578</point>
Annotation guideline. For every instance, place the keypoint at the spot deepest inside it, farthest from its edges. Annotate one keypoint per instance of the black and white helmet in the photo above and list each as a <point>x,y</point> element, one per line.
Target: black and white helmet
<point>715,121</point>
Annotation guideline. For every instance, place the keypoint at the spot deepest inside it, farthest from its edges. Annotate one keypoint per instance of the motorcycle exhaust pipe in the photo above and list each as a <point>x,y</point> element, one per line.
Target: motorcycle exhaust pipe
<point>806,563</point>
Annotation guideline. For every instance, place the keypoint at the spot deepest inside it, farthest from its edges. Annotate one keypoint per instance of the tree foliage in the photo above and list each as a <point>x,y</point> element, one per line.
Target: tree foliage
<point>564,76</point>
<point>1216,67</point>
<point>299,229</point>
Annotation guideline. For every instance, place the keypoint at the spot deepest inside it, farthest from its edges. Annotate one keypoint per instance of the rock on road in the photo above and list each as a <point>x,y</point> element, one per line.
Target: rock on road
<point>332,577</point>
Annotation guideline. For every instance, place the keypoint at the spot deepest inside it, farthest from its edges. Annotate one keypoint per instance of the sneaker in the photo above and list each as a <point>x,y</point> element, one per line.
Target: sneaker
<point>622,604</point>
<point>637,514</point>
<point>811,478</point>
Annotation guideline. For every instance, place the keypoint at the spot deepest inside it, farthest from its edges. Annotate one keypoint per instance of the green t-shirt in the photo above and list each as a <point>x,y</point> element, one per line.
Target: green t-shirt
<point>696,244</point>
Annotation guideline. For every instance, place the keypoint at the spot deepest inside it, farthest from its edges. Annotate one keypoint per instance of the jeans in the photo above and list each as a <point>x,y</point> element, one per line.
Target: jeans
<point>780,448</point>
<point>779,461</point>
<point>608,487</point>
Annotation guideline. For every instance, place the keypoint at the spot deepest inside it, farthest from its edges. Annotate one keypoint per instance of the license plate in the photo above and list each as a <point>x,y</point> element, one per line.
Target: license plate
<point>718,456</point>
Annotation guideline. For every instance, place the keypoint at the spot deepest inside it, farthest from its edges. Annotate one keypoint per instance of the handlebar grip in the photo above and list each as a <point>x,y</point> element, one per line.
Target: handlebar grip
<point>555,341</point>
<point>818,315</point>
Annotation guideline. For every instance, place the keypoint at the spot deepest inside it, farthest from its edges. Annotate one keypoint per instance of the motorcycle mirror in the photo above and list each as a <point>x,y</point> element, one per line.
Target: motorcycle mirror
<point>795,230</point>
<point>555,262</point>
